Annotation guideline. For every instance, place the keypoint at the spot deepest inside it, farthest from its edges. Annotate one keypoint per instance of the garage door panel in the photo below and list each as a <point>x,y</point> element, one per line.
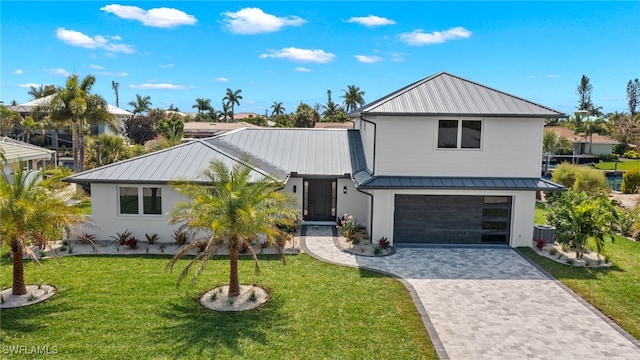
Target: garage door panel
<point>450,220</point>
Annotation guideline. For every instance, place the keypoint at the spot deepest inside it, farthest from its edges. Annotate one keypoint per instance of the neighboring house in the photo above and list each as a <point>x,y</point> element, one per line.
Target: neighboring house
<point>199,130</point>
<point>334,125</point>
<point>600,144</point>
<point>65,138</point>
<point>441,161</point>
<point>34,157</point>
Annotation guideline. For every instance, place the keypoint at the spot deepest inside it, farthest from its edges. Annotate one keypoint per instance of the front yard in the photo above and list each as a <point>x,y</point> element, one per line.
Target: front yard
<point>128,307</point>
<point>614,290</point>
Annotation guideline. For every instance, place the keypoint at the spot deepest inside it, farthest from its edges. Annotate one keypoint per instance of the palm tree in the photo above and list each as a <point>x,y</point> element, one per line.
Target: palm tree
<point>106,149</point>
<point>41,91</point>
<point>28,126</point>
<point>233,208</point>
<point>8,118</point>
<point>202,105</point>
<point>278,109</point>
<point>353,98</point>
<point>553,143</point>
<point>589,128</point>
<point>30,215</point>
<point>232,98</point>
<point>75,104</point>
<point>141,105</point>
<point>226,112</point>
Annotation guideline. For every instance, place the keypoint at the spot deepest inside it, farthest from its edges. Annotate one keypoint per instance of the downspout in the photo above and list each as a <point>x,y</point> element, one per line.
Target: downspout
<point>373,171</point>
<point>370,212</point>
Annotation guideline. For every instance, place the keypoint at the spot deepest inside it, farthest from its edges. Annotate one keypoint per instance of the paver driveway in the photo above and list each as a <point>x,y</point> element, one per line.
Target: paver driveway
<point>490,303</point>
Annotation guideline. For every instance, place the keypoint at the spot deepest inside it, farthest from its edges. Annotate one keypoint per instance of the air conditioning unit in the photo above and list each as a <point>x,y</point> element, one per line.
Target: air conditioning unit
<point>546,232</point>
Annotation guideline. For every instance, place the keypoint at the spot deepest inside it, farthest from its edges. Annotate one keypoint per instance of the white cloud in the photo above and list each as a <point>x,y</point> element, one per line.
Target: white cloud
<point>76,38</point>
<point>158,17</point>
<point>164,66</point>
<point>29,85</point>
<point>59,71</point>
<point>94,66</point>
<point>221,79</point>
<point>301,69</point>
<point>300,55</point>
<point>18,72</point>
<point>249,21</point>
<point>419,38</point>
<point>397,57</point>
<point>158,86</point>
<point>108,73</point>
<point>371,20</point>
<point>549,76</point>
<point>368,59</point>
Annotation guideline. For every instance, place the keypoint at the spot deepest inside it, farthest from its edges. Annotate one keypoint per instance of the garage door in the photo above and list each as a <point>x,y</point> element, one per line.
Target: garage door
<point>437,219</point>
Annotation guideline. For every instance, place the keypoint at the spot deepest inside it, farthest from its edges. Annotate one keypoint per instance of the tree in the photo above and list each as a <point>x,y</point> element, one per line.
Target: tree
<point>353,98</point>
<point>278,109</point>
<point>633,95</point>
<point>577,218</point>
<point>555,144</point>
<point>232,98</point>
<point>305,117</point>
<point>230,207</point>
<point>41,91</point>
<point>75,104</point>
<point>140,129</point>
<point>202,105</point>
<point>115,86</point>
<point>141,105</point>
<point>105,149</point>
<point>173,108</point>
<point>170,127</point>
<point>597,126</point>
<point>30,215</point>
<point>584,90</point>
<point>622,127</point>
<point>8,119</point>
<point>28,126</point>
<point>226,112</point>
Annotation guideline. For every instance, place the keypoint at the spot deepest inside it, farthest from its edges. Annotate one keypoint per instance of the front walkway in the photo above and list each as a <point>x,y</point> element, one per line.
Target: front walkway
<point>489,303</point>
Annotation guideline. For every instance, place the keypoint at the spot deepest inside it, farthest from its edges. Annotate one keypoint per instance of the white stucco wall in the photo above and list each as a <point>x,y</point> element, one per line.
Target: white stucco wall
<point>522,212</point>
<point>407,146</point>
<point>353,202</point>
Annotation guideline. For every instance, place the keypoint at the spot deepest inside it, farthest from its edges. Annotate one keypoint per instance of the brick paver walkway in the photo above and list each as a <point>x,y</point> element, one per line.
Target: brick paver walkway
<point>490,303</point>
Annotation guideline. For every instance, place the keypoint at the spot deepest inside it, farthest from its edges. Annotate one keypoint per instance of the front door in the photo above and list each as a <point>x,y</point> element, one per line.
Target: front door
<point>320,199</point>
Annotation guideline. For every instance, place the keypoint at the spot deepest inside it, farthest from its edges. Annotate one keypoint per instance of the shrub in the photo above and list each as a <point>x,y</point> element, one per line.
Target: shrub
<point>580,178</point>
<point>151,238</point>
<point>180,237</point>
<point>553,251</point>
<point>620,148</point>
<point>86,238</point>
<point>631,154</point>
<point>122,237</point>
<point>541,243</point>
<point>289,221</point>
<point>631,181</point>
<point>384,243</point>
<point>132,243</point>
<point>377,250</point>
<point>349,228</point>
<point>609,157</point>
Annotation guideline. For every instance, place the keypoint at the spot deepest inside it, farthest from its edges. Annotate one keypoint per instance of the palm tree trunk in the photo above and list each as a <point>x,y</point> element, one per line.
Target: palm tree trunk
<point>234,282</point>
<point>81,148</point>
<point>74,145</point>
<point>19,287</point>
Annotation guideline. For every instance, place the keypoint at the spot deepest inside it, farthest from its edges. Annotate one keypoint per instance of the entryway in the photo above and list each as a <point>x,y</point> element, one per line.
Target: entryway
<point>319,199</point>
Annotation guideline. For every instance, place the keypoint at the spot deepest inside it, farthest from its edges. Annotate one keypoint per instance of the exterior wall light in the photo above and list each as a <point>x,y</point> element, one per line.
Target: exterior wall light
<point>344,189</point>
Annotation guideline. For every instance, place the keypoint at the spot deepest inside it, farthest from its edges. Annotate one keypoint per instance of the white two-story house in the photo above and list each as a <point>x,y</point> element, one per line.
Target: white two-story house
<point>441,161</point>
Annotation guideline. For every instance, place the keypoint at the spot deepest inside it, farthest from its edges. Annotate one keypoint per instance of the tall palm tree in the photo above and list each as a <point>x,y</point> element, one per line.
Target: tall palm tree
<point>141,104</point>
<point>553,143</point>
<point>106,149</point>
<point>353,98</point>
<point>41,91</point>
<point>232,98</point>
<point>278,109</point>
<point>233,208</point>
<point>76,104</point>
<point>8,118</point>
<point>589,128</point>
<point>30,215</point>
<point>202,105</point>
<point>226,112</point>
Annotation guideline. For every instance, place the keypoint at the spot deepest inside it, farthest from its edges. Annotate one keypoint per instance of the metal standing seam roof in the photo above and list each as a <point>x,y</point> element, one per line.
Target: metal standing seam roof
<point>181,162</point>
<point>321,152</point>
<point>446,94</point>
<point>15,150</point>
<point>457,183</point>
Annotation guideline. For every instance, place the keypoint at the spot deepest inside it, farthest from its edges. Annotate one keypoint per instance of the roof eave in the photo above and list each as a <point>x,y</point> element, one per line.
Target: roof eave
<point>531,116</point>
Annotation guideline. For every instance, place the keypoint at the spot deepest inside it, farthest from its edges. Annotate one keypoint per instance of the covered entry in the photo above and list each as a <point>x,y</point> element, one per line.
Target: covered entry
<point>320,198</point>
<point>452,219</point>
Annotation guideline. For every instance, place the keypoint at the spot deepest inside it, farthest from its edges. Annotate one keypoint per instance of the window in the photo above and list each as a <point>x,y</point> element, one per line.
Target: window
<point>130,200</point>
<point>459,134</point>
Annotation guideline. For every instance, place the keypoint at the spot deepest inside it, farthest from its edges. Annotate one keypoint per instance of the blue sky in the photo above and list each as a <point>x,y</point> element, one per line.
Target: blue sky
<point>286,51</point>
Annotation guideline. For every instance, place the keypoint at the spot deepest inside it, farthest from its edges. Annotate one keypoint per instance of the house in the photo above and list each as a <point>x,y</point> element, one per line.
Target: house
<point>441,161</point>
<point>34,157</point>
<point>196,129</point>
<point>599,144</point>
<point>334,125</point>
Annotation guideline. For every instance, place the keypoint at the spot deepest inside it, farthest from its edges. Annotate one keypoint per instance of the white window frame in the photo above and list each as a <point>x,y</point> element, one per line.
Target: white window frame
<point>458,135</point>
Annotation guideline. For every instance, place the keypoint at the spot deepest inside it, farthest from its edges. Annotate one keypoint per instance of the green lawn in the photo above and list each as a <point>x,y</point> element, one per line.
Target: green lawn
<point>614,290</point>
<point>85,206</point>
<point>622,165</point>
<point>117,307</point>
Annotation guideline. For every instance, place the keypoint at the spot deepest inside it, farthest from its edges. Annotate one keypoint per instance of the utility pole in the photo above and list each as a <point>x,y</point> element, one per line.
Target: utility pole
<point>115,85</point>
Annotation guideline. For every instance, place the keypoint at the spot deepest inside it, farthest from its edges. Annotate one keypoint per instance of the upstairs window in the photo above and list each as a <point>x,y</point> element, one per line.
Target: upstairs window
<point>459,134</point>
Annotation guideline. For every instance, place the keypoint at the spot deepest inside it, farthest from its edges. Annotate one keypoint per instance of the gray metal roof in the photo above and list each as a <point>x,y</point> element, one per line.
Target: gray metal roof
<point>446,94</point>
<point>322,152</point>
<point>474,183</point>
<point>181,162</point>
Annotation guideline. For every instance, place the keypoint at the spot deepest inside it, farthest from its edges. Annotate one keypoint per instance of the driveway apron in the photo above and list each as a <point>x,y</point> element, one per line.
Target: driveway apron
<point>489,303</point>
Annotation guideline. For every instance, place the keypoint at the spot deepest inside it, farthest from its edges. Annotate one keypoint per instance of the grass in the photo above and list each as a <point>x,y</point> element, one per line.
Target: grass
<point>614,290</point>
<point>127,307</point>
<point>85,206</point>
<point>622,164</point>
